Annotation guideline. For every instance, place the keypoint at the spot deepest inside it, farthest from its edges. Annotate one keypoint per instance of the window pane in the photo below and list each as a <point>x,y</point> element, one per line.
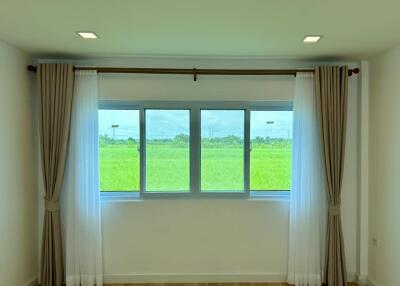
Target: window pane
<point>119,150</point>
<point>271,150</point>
<point>167,150</point>
<point>222,150</point>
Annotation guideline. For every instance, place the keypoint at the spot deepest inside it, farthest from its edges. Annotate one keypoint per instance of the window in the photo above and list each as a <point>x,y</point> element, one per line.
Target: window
<point>194,149</point>
<point>271,150</point>
<point>119,150</point>
<point>167,150</point>
<point>222,150</point>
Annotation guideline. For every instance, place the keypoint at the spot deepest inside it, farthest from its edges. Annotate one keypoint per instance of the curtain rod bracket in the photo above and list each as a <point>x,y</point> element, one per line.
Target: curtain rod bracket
<point>194,74</point>
<point>354,71</point>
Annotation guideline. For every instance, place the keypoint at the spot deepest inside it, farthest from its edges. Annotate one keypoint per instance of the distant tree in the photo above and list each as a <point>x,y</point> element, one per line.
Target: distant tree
<point>182,138</point>
<point>131,141</point>
<point>104,140</point>
<point>258,140</point>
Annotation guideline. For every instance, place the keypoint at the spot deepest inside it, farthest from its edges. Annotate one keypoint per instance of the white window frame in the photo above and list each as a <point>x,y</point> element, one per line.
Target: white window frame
<point>195,108</point>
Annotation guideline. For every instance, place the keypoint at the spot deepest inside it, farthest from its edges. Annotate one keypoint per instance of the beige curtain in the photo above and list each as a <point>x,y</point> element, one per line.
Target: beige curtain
<point>55,83</point>
<point>331,99</point>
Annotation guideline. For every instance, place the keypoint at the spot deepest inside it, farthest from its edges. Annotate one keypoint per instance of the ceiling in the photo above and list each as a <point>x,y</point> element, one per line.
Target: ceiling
<point>209,28</point>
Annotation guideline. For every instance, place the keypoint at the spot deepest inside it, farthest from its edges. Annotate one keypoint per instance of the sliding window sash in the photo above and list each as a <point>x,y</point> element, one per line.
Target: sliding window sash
<point>195,108</point>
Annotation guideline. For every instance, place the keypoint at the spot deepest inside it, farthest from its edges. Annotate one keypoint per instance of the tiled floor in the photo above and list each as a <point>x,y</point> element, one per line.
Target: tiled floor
<point>202,284</point>
<point>207,284</point>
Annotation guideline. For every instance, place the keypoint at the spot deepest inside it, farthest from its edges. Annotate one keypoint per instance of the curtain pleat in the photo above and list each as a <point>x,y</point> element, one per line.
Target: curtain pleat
<point>307,207</point>
<point>55,83</point>
<point>81,195</point>
<point>331,91</point>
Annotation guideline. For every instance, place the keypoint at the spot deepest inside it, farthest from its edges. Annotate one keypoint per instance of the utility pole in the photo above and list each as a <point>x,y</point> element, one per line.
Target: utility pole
<point>114,126</point>
<point>268,123</point>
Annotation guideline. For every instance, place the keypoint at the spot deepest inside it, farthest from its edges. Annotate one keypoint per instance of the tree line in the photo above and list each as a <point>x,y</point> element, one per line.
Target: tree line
<point>183,141</point>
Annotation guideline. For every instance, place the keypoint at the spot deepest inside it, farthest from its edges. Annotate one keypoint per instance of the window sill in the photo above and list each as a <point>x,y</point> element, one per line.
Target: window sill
<point>270,195</point>
<point>120,196</point>
<point>135,196</point>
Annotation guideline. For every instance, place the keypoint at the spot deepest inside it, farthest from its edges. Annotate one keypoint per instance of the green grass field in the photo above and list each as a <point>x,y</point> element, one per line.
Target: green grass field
<point>168,167</point>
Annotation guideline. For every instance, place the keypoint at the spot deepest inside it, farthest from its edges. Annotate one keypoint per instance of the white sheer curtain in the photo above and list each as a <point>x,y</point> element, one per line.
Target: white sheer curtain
<point>81,200</point>
<point>308,201</point>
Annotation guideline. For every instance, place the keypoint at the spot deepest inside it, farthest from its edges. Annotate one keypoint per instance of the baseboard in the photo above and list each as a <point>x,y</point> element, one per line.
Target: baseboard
<point>33,282</point>
<point>371,283</point>
<point>204,278</point>
<point>352,277</point>
<point>194,278</point>
<point>361,280</point>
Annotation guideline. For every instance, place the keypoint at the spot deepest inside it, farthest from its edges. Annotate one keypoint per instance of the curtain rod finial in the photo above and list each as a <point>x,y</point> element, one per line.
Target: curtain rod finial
<point>31,68</point>
<point>354,71</point>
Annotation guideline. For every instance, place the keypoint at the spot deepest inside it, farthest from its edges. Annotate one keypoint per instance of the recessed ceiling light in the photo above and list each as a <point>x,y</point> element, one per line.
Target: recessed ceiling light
<point>311,39</point>
<point>88,35</point>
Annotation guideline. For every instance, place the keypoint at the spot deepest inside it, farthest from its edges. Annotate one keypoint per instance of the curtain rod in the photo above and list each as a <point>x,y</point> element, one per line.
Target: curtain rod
<point>195,72</point>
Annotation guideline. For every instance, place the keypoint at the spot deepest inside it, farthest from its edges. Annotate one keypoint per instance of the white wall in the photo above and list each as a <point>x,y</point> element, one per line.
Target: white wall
<point>210,240</point>
<point>178,87</point>
<point>195,240</point>
<point>18,188</point>
<point>384,258</point>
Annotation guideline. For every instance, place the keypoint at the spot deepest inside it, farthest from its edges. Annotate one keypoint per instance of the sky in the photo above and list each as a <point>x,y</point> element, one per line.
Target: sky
<point>166,124</point>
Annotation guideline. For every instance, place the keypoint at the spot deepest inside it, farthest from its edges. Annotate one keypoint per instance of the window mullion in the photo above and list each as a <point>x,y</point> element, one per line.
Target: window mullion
<point>195,150</point>
<point>247,151</point>
<point>142,125</point>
